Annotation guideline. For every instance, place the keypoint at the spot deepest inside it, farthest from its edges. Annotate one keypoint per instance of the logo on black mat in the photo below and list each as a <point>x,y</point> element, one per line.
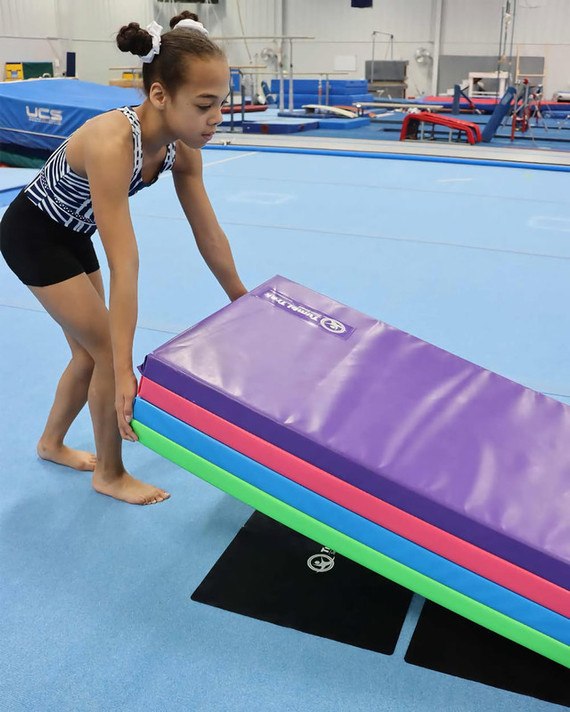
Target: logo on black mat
<point>323,562</point>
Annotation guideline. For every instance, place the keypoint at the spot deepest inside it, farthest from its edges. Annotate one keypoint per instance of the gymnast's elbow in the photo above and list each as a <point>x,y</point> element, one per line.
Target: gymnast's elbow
<point>124,270</point>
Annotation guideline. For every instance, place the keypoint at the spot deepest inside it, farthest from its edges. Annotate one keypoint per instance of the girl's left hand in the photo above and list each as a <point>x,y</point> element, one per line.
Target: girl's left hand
<point>125,392</point>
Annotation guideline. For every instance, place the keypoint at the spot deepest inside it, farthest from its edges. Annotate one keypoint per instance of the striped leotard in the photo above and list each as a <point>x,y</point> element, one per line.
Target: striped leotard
<point>66,197</point>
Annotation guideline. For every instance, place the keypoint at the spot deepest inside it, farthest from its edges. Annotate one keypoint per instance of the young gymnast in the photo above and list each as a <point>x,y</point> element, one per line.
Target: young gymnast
<point>45,236</point>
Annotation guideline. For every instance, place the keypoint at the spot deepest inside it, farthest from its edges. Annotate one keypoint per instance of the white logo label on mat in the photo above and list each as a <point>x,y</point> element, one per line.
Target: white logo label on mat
<point>337,327</point>
<point>323,562</point>
<point>308,314</point>
<point>43,115</point>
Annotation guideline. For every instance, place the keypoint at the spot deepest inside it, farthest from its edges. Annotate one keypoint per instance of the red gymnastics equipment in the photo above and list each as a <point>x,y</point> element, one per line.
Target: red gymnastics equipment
<point>412,123</point>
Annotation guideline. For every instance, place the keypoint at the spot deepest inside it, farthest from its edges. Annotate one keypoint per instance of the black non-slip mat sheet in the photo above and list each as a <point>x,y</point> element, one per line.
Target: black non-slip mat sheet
<point>448,643</point>
<point>272,573</point>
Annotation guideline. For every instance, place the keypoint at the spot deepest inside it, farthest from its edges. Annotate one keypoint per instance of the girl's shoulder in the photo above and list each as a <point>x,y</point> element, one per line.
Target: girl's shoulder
<point>107,134</point>
<point>110,125</point>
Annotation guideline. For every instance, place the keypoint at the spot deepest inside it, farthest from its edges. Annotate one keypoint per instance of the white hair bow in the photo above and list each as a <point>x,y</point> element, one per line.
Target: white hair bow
<point>154,30</point>
<point>191,25</point>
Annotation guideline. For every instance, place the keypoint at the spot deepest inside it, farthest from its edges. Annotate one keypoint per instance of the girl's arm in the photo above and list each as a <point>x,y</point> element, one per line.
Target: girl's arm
<point>108,161</point>
<point>210,238</point>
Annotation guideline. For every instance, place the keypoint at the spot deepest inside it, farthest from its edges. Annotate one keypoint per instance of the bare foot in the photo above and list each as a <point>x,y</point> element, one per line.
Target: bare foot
<point>63,455</point>
<point>128,489</point>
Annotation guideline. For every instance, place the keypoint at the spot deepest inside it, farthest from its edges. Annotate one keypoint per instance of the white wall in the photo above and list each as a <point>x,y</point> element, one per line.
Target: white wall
<point>88,28</point>
<point>469,27</point>
<point>342,31</point>
<point>22,20</point>
<point>540,29</point>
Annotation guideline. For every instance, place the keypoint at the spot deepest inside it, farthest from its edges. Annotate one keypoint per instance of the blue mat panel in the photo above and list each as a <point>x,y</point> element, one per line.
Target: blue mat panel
<point>327,120</point>
<point>341,124</point>
<point>279,127</point>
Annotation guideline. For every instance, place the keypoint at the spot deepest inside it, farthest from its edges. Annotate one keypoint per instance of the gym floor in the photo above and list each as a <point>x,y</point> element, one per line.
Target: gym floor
<point>95,594</point>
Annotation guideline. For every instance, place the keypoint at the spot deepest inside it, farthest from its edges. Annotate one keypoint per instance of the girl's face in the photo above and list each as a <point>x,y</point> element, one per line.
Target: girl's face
<point>194,112</point>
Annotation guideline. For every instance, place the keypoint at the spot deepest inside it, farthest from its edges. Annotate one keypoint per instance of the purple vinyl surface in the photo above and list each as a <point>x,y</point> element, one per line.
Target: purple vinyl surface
<point>448,441</point>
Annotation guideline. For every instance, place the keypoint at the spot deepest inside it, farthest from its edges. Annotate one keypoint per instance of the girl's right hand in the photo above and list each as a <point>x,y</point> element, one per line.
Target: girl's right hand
<point>125,392</point>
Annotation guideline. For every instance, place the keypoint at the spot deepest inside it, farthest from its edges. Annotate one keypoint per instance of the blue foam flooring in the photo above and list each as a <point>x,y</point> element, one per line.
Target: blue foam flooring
<point>15,177</point>
<point>455,278</point>
<point>12,180</point>
<point>94,593</point>
<point>482,246</point>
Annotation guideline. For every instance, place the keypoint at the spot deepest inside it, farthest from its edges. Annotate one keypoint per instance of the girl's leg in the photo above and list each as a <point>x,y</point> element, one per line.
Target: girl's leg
<point>70,397</point>
<point>77,307</point>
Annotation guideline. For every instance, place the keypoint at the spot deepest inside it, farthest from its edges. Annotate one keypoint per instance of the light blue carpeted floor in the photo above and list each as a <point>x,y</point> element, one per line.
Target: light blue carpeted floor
<point>95,609</point>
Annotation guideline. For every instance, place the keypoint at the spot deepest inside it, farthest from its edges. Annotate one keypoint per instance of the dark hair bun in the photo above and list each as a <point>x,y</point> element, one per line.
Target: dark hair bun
<point>132,38</point>
<point>186,15</point>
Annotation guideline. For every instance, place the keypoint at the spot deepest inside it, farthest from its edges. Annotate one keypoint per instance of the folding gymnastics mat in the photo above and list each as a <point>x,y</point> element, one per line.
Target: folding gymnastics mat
<point>461,448</point>
<point>357,528</point>
<point>332,537</point>
<point>440,542</point>
<point>453,645</point>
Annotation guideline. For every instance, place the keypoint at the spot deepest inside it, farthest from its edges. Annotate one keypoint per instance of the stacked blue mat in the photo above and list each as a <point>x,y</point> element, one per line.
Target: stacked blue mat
<point>342,92</point>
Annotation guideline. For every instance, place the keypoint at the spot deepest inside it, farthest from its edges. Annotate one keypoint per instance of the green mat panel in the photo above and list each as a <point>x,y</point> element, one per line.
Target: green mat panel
<point>362,554</point>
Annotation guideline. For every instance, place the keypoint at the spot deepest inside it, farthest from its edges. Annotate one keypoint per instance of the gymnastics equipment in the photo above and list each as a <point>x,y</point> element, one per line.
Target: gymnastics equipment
<point>322,90</point>
<point>506,39</point>
<point>131,77</point>
<point>341,112</point>
<point>376,510</point>
<point>369,440</point>
<point>336,117</point>
<point>322,509</point>
<point>413,125</point>
<point>269,97</point>
<point>14,71</point>
<point>526,106</point>
<point>398,105</point>
<point>37,116</point>
<point>499,113</point>
<point>280,64</point>
<point>459,94</point>
<point>288,125</point>
<point>436,403</point>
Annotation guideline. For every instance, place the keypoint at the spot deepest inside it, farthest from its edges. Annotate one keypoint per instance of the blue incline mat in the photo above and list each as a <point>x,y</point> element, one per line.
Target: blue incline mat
<point>430,564</point>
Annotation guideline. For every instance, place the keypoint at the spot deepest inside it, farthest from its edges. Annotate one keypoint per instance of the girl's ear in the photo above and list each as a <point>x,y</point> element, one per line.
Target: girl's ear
<point>157,95</point>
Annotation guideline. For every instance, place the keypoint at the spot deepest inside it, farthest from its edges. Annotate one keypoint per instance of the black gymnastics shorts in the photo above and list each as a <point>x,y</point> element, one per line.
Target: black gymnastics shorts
<point>39,250</point>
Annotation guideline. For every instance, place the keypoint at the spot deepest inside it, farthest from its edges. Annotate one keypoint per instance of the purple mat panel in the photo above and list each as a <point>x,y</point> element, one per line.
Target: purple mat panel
<point>448,441</point>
